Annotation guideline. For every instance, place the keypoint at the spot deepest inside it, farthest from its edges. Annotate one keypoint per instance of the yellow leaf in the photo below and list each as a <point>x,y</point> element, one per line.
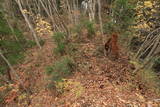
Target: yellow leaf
<point>148,3</point>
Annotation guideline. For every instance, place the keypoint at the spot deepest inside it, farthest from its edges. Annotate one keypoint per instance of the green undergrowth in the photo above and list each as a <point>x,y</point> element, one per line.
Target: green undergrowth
<point>146,79</point>
<point>63,47</point>
<point>13,45</point>
<point>13,51</point>
<point>149,80</point>
<point>60,41</point>
<point>60,69</point>
<point>156,66</point>
<point>64,65</point>
<point>85,24</point>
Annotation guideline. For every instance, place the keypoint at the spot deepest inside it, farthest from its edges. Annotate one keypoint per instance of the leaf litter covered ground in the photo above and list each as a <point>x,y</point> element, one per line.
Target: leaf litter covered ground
<point>101,81</point>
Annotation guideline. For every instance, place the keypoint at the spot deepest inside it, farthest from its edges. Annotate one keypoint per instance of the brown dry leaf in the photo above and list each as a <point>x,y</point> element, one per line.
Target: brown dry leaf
<point>2,88</point>
<point>11,96</point>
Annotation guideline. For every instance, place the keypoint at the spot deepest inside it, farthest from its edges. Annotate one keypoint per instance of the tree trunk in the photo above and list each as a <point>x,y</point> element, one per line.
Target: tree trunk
<point>99,15</point>
<point>9,65</point>
<point>28,22</point>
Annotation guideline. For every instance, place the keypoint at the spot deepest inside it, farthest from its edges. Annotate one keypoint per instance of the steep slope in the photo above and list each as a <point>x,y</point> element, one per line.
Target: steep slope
<point>98,82</point>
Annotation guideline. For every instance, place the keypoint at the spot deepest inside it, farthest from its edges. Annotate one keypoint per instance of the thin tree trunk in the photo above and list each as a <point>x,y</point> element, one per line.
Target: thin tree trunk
<point>10,26</point>
<point>145,42</point>
<point>70,16</point>
<point>91,9</point>
<point>29,24</point>
<point>9,65</point>
<point>154,47</point>
<point>143,66</point>
<point>9,75</point>
<point>12,69</point>
<point>56,28</point>
<point>99,14</point>
<point>62,22</point>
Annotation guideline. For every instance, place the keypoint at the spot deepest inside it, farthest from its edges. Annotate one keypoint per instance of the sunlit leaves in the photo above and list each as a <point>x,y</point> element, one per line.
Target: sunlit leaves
<point>148,4</point>
<point>69,85</point>
<point>42,27</point>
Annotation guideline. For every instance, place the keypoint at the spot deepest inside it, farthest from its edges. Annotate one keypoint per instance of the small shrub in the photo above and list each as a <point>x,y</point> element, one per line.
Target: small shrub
<point>71,49</point>
<point>60,49</point>
<point>90,28</point>
<point>78,29</point>
<point>69,85</point>
<point>2,69</point>
<point>156,65</point>
<point>59,39</point>
<point>148,80</point>
<point>62,45</point>
<point>108,27</point>
<point>124,14</point>
<point>60,69</point>
<point>15,58</point>
<point>42,42</point>
<point>30,44</point>
<point>121,20</point>
<point>85,24</point>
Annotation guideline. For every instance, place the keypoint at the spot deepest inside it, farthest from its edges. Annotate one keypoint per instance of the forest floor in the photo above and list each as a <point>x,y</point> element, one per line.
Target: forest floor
<point>100,81</point>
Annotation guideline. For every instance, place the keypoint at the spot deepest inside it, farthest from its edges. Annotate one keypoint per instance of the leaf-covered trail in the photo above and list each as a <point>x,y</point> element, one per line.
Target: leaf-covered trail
<point>32,73</point>
<point>101,79</point>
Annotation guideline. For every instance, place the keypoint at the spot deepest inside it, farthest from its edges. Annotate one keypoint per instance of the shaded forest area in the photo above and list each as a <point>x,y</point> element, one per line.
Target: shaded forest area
<point>79,53</point>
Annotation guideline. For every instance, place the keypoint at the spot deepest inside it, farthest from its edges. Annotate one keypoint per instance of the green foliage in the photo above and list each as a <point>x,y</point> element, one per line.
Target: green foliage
<point>2,68</point>
<point>78,29</point>
<point>146,79</point>
<point>123,14</point>
<point>13,52</point>
<point>149,80</point>
<point>62,46</point>
<point>4,29</point>
<point>72,49</point>
<point>90,28</point>
<point>11,48</point>
<point>59,39</point>
<point>60,49</point>
<point>29,44</point>
<point>18,33</point>
<point>60,69</point>
<point>156,65</point>
<point>15,58</point>
<point>109,27</point>
<point>10,45</point>
<point>58,4</point>
<point>42,42</point>
<point>122,19</point>
<point>85,24</point>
